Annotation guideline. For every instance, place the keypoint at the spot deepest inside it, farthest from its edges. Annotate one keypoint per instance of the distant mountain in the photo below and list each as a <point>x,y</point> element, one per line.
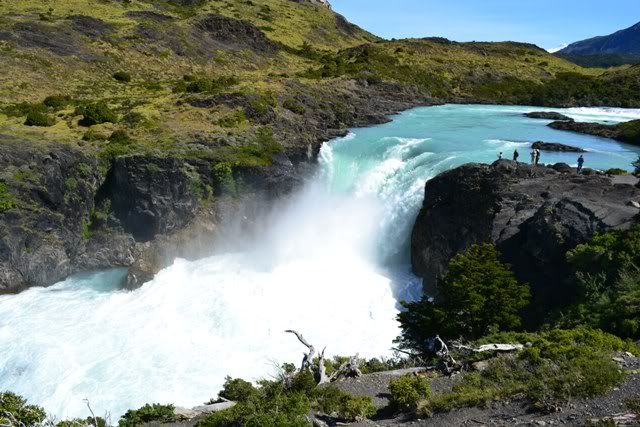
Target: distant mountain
<point>621,47</point>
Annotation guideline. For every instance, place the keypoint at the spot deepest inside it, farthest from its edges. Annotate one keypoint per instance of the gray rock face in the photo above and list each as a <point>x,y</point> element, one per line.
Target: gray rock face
<point>43,237</point>
<point>152,196</point>
<point>534,215</point>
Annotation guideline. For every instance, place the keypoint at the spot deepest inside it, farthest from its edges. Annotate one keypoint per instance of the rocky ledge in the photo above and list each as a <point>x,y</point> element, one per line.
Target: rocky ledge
<point>534,215</point>
<point>628,132</point>
<point>554,146</point>
<point>548,115</point>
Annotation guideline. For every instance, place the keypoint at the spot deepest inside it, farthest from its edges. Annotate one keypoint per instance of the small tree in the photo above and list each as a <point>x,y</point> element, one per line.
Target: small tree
<point>478,294</point>
<point>98,113</point>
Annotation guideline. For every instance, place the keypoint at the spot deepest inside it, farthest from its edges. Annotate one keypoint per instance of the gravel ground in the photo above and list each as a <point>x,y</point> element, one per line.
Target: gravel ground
<point>514,413</point>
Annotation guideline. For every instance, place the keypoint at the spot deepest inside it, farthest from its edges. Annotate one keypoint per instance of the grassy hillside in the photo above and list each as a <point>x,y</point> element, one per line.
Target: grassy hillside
<point>246,77</point>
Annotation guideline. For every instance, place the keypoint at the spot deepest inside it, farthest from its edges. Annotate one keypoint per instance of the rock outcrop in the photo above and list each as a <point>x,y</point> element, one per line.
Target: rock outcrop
<point>533,214</point>
<point>554,146</point>
<point>628,132</point>
<point>548,115</point>
<point>61,214</point>
<point>46,200</point>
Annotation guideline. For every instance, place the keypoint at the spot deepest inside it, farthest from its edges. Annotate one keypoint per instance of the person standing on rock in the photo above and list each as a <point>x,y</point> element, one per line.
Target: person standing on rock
<point>580,163</point>
<point>533,156</point>
<point>537,156</point>
<point>500,156</point>
<point>516,155</point>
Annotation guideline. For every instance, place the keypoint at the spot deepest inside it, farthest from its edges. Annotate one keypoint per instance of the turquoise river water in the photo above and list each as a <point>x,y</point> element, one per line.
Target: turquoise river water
<point>332,263</point>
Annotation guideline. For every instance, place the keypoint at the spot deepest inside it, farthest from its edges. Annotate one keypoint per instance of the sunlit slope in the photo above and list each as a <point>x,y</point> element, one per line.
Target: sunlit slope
<point>224,70</point>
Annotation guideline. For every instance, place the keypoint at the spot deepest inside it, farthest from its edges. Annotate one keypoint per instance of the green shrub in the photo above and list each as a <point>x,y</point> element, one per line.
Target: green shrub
<point>57,101</point>
<point>93,135</point>
<point>238,390</point>
<point>616,171</point>
<point>120,137</point>
<point>329,399</point>
<point>478,294</point>
<point>633,404</point>
<point>7,199</point>
<point>606,284</point>
<point>556,366</point>
<point>133,118</point>
<point>208,85</point>
<point>37,118</point>
<point>293,105</point>
<point>98,113</point>
<point>148,413</point>
<point>24,108</point>
<point>17,406</point>
<point>223,179</point>
<point>199,86</point>
<point>356,408</point>
<point>407,390</point>
<point>122,76</point>
<point>630,131</point>
<point>238,117</point>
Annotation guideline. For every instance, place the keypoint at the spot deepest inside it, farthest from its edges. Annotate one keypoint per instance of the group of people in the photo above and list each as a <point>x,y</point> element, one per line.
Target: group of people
<point>535,158</point>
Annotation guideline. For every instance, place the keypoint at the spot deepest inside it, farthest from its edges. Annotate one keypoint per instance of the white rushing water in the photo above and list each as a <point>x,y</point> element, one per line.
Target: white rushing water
<point>332,262</point>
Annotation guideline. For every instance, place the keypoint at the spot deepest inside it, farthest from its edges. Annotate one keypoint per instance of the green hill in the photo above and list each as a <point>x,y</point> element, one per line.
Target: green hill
<point>173,72</point>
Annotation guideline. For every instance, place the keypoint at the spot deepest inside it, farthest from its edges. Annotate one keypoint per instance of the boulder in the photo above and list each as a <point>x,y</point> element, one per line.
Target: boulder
<point>548,115</point>
<point>554,146</point>
<point>534,215</point>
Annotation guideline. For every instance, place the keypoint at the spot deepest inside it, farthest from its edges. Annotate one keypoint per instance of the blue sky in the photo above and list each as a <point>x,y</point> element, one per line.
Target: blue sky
<point>547,23</point>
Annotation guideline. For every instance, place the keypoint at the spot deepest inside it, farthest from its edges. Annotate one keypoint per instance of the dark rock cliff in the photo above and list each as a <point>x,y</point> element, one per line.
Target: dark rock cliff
<point>534,215</point>
<point>47,198</point>
<point>60,213</point>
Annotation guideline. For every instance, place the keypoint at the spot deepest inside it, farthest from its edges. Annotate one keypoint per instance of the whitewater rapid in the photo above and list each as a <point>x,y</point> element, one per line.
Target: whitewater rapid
<point>331,261</point>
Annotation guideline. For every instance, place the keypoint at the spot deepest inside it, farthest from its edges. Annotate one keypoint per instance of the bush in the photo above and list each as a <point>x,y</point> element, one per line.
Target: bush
<point>223,179</point>
<point>7,200</point>
<point>616,171</point>
<point>17,406</point>
<point>36,118</point>
<point>293,105</point>
<point>122,77</point>
<point>120,137</point>
<point>93,135</point>
<point>407,390</point>
<point>237,389</point>
<point>478,294</point>
<point>98,113</point>
<point>330,400</point>
<point>607,284</point>
<point>208,85</point>
<point>57,101</point>
<point>556,366</point>
<point>148,413</point>
<point>24,108</point>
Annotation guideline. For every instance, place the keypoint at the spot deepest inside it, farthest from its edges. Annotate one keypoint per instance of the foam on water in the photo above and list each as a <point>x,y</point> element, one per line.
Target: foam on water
<point>332,261</point>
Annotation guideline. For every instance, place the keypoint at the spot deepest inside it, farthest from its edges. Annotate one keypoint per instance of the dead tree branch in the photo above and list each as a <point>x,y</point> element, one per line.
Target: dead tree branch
<point>95,420</point>
<point>307,360</point>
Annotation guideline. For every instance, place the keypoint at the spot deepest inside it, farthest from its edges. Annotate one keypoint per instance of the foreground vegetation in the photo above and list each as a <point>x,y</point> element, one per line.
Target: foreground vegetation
<point>570,356</point>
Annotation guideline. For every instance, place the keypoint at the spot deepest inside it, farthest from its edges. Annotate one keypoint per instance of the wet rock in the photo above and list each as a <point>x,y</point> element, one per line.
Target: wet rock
<point>548,115</point>
<point>45,236</point>
<point>554,146</point>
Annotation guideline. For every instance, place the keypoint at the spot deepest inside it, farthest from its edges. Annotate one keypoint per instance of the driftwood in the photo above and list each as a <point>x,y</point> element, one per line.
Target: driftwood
<point>307,360</point>
<point>489,347</point>
<point>349,369</point>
